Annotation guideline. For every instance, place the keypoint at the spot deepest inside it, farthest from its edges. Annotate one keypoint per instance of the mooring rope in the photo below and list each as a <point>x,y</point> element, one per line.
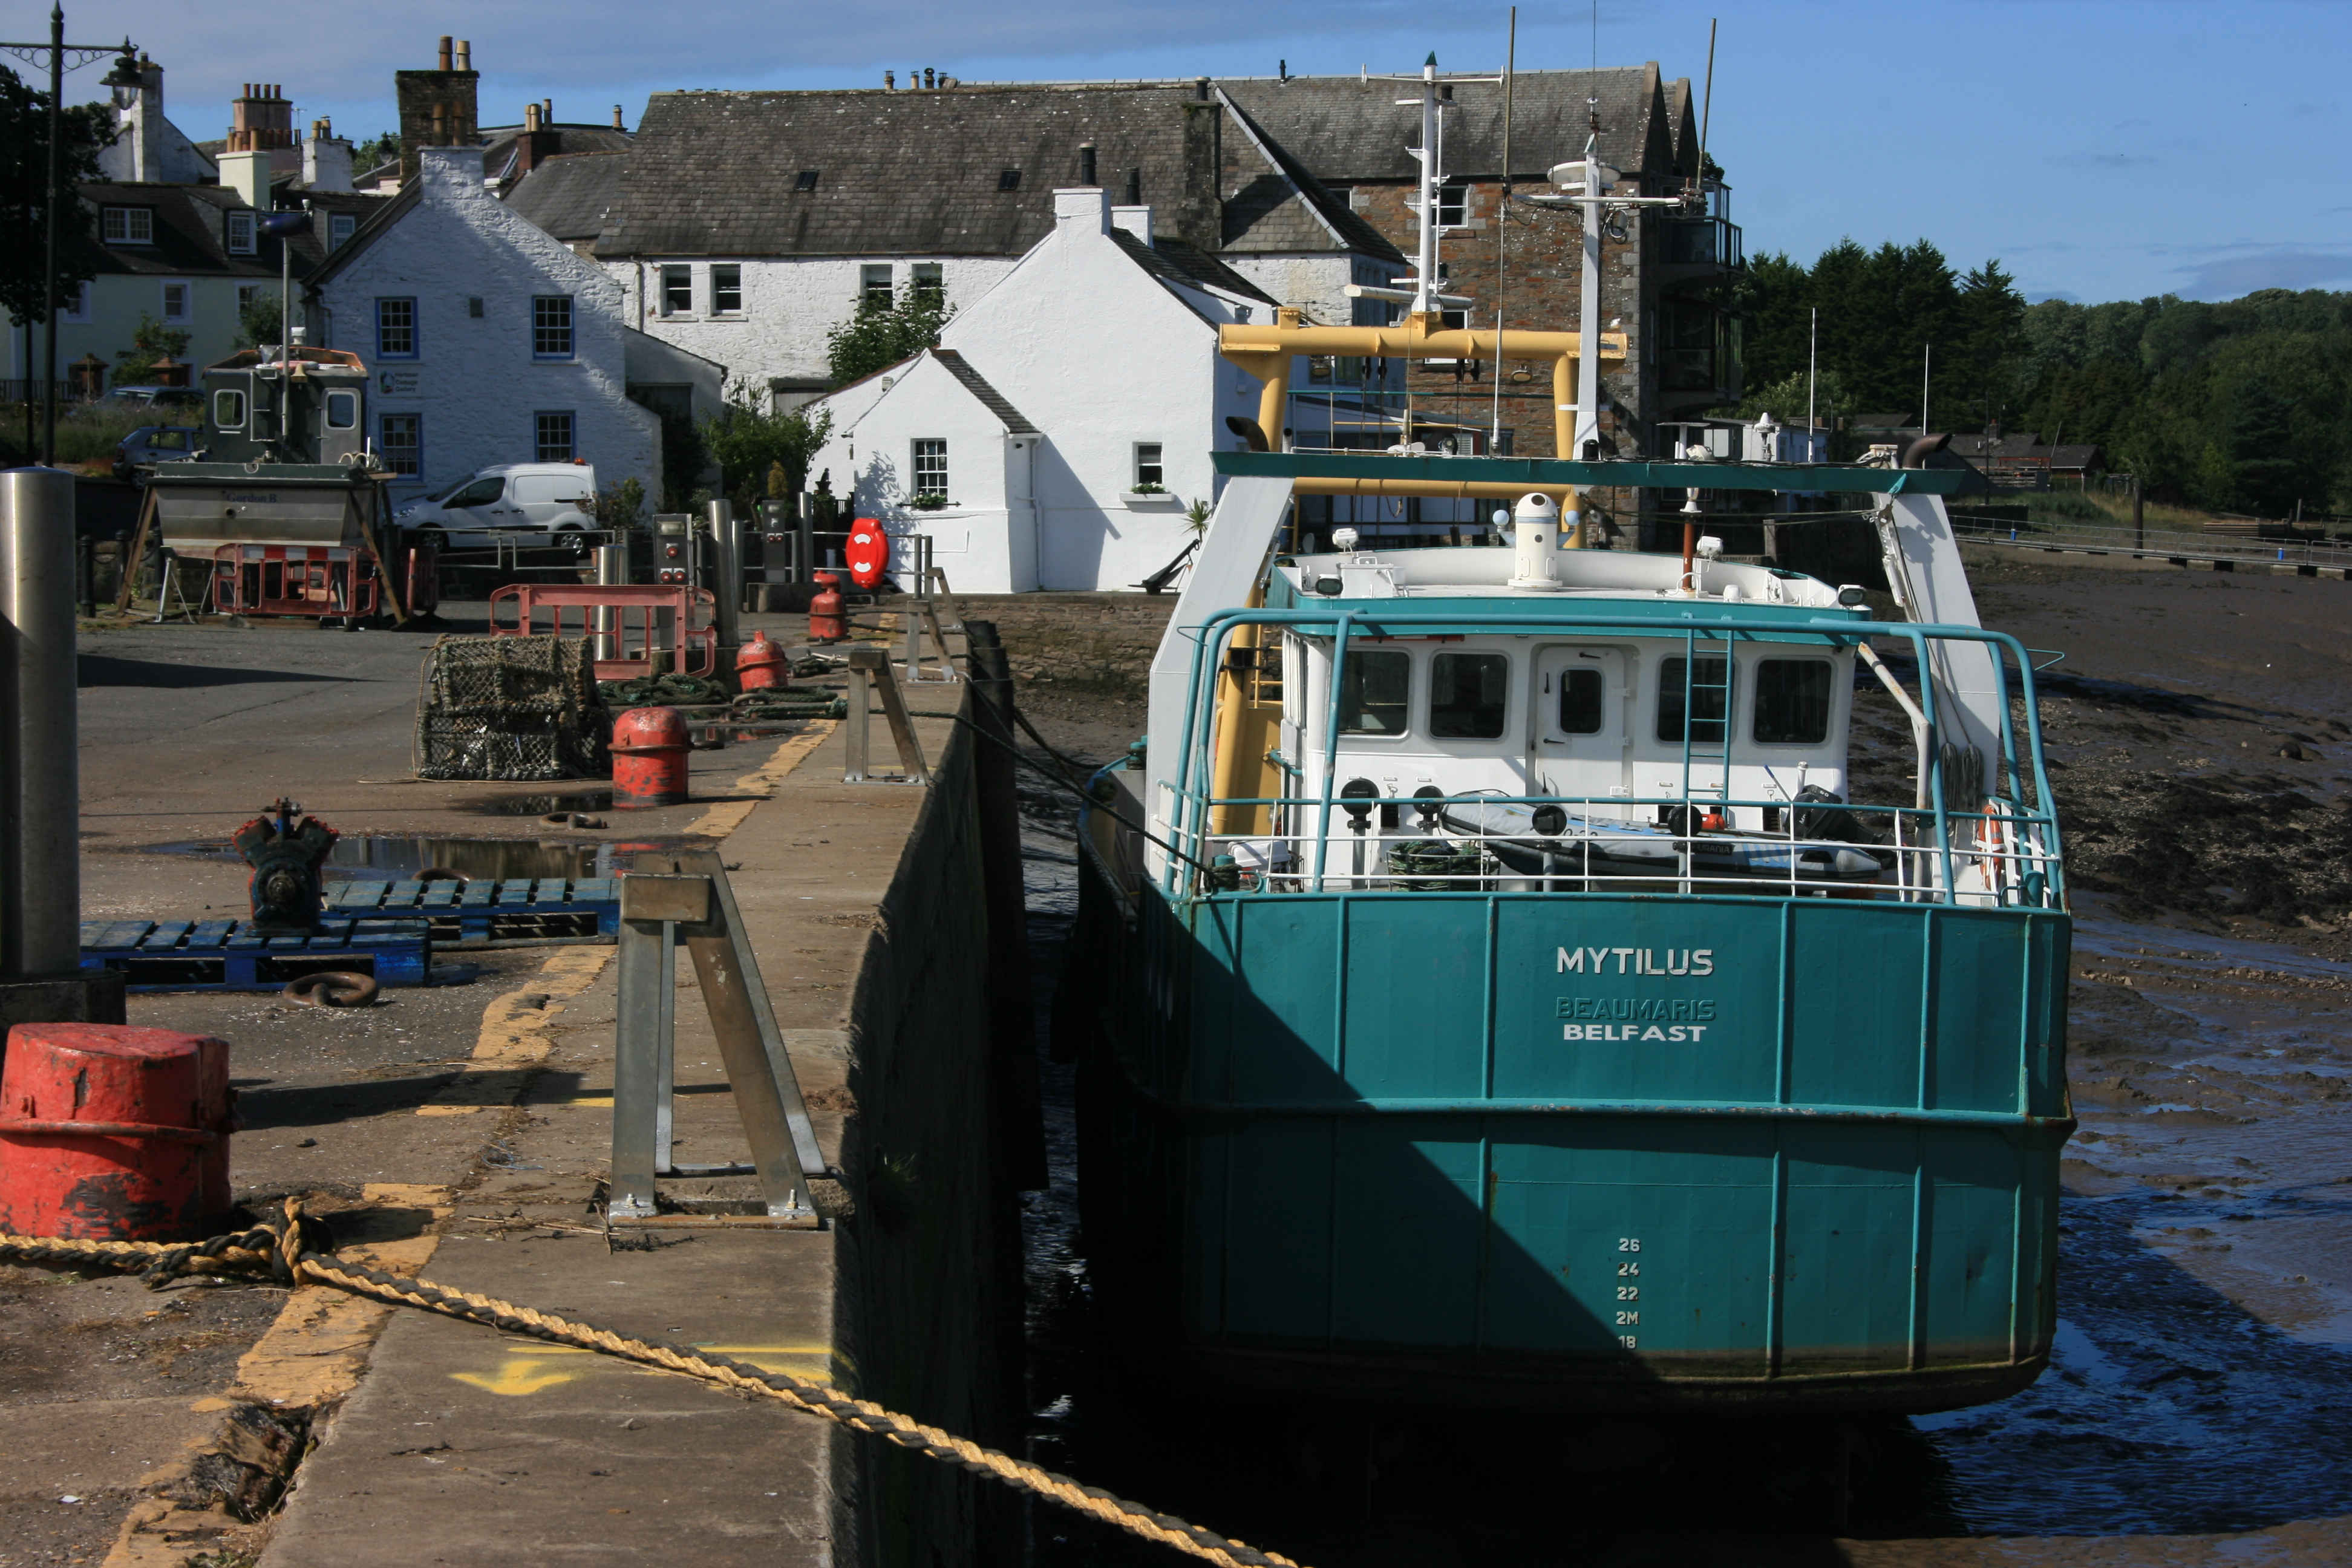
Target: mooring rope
<point>290,1249</point>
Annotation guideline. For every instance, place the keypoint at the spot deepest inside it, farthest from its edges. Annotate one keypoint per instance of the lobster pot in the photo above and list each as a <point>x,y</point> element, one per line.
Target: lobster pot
<point>511,708</point>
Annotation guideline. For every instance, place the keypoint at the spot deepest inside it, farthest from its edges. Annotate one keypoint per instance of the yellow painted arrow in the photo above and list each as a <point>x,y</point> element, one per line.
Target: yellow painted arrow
<point>520,1375</point>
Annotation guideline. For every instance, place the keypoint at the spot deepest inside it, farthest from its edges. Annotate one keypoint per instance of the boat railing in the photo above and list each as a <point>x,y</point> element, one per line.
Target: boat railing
<point>1980,829</point>
<point>2001,855</point>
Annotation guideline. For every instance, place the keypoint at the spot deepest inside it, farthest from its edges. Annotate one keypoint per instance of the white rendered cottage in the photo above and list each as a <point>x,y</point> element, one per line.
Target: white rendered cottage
<point>489,340</point>
<point>1065,420</point>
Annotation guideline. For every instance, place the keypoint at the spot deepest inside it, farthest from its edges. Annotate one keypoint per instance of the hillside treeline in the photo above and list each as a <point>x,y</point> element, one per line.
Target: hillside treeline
<point>2244,405</point>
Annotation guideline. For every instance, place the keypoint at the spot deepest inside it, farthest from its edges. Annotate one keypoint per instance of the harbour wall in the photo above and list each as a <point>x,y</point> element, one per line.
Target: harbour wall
<point>927,1283</point>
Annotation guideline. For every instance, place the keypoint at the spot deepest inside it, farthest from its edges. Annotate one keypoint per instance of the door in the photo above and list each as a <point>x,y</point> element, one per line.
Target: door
<point>1582,748</point>
<point>479,507</point>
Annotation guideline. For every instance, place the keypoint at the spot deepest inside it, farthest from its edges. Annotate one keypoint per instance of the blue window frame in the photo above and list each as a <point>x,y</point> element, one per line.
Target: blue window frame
<point>395,329</point>
<point>550,326</point>
<point>399,441</point>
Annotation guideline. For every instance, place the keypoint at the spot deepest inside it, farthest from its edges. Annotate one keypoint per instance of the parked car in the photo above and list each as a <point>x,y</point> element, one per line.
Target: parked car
<point>155,444</point>
<point>154,397</point>
<point>555,498</point>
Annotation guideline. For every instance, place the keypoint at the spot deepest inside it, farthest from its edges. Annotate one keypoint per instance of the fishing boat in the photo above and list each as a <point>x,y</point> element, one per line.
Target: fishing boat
<point>1493,984</point>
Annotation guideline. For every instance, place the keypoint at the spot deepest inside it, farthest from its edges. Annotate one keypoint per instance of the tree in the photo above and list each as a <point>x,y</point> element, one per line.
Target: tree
<point>884,330</point>
<point>2264,469</point>
<point>1785,399</point>
<point>748,441</point>
<point>260,319</point>
<point>383,149</point>
<point>150,340</point>
<point>24,187</point>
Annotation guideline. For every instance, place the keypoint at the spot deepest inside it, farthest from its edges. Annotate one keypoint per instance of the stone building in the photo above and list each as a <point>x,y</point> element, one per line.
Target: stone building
<point>1662,268</point>
<point>746,225</point>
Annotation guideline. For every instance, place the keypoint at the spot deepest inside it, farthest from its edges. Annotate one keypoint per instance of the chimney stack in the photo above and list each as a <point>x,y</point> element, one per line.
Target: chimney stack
<point>261,119</point>
<point>1086,164</point>
<point>438,108</point>
<point>446,63</point>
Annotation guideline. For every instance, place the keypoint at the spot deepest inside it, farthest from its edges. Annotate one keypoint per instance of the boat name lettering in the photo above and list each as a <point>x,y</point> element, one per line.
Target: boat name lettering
<point>1672,1034</point>
<point>1636,1009</point>
<point>251,498</point>
<point>1696,962</point>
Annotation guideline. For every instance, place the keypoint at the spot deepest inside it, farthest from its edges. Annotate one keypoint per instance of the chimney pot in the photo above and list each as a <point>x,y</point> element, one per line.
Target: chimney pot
<point>547,111</point>
<point>1134,187</point>
<point>531,116</point>
<point>889,82</point>
<point>446,42</point>
<point>1200,88</point>
<point>617,118</point>
<point>464,53</point>
<point>927,77</point>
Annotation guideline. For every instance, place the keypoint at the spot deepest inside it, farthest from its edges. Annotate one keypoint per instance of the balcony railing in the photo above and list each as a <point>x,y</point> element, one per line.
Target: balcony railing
<point>1704,242</point>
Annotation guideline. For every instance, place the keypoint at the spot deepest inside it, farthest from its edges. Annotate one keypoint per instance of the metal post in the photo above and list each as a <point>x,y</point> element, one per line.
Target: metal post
<point>50,265</point>
<point>861,728</point>
<point>40,810</point>
<point>612,571</point>
<point>803,539</point>
<point>727,569</point>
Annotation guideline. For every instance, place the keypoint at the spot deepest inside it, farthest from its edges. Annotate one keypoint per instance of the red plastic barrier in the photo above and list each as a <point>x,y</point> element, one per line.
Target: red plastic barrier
<point>113,1134</point>
<point>645,619</point>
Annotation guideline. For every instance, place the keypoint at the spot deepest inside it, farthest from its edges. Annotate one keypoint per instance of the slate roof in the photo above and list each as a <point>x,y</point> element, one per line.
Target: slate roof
<point>500,145</point>
<point>571,195</point>
<point>189,234</point>
<point>717,174</point>
<point>1274,203</point>
<point>389,212</point>
<point>977,385</point>
<point>1350,131</point>
<point>1176,261</point>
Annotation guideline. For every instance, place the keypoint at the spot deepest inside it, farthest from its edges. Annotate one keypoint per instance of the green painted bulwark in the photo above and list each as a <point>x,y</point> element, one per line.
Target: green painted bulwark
<point>1656,1140</point>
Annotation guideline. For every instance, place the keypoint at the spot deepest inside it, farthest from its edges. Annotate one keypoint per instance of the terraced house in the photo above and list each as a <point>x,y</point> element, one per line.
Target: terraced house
<point>746,225</point>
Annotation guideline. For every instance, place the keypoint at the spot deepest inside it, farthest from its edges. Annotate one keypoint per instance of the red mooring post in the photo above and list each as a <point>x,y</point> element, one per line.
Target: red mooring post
<point>649,748</point>
<point>110,1133</point>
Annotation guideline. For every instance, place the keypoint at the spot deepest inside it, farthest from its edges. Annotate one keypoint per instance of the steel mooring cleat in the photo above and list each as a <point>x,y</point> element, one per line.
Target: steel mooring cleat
<point>288,856</point>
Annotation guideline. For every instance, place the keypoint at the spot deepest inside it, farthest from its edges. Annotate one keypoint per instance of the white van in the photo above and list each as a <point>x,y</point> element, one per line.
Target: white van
<point>558,498</point>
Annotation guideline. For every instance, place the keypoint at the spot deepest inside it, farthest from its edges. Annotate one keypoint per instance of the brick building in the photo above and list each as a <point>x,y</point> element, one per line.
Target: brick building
<point>1663,268</point>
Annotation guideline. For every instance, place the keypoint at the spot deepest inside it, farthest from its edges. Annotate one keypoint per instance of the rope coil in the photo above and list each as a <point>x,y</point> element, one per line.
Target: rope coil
<point>294,1249</point>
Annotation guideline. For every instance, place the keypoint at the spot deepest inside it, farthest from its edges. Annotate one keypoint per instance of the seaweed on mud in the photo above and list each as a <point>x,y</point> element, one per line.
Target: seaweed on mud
<point>2228,844</point>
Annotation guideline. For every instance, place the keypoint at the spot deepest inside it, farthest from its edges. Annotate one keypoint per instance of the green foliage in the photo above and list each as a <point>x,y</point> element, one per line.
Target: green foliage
<point>23,187</point>
<point>685,455</point>
<point>881,334</point>
<point>2243,405</point>
<point>259,320</point>
<point>622,507</point>
<point>380,150</point>
<point>1785,398</point>
<point>749,441</point>
<point>150,340</point>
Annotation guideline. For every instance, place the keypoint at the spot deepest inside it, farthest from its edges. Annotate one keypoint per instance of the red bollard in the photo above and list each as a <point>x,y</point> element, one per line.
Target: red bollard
<point>110,1133</point>
<point>649,747</point>
<point>760,665</point>
<point>825,621</point>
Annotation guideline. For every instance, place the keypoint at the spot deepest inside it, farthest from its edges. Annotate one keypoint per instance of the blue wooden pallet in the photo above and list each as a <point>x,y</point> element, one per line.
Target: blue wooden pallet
<point>465,914</point>
<point>224,956</point>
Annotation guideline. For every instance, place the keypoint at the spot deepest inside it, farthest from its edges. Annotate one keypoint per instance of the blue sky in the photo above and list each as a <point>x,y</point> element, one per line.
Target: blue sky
<point>2101,151</point>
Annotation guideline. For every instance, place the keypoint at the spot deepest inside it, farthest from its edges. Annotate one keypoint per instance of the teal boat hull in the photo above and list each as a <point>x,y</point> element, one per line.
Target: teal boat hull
<point>1572,1152</point>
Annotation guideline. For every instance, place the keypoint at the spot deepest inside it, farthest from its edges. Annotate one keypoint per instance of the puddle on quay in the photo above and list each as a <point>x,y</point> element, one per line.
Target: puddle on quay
<point>559,803</point>
<point>398,856</point>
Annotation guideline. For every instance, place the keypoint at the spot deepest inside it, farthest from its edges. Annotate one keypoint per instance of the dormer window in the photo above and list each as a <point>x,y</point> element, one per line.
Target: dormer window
<point>806,182</point>
<point>129,225</point>
<point>240,234</point>
<point>1008,180</point>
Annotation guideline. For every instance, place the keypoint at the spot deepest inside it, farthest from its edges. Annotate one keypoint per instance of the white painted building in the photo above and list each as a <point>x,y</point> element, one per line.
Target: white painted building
<point>746,226</point>
<point>1067,417</point>
<point>490,342</point>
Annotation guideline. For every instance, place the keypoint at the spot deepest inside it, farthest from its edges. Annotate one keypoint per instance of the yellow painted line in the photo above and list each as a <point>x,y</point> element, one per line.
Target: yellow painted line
<point>516,1037</point>
<point>721,820</point>
<point>525,1372</point>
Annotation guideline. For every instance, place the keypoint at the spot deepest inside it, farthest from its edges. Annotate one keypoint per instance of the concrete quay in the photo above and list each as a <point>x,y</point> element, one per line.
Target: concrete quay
<point>459,1132</point>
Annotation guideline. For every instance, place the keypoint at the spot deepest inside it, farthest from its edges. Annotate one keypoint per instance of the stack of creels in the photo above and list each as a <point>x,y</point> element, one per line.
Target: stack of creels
<point>511,708</point>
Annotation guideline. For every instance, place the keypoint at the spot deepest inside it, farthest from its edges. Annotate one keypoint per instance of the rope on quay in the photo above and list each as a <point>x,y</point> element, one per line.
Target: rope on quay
<point>290,1248</point>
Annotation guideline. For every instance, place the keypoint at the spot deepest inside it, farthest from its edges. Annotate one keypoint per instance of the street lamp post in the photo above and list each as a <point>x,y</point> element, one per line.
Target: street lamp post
<point>125,72</point>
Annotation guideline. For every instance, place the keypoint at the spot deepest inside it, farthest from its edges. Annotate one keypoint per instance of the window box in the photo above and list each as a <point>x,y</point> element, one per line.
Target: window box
<point>928,500</point>
<point>1148,501</point>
